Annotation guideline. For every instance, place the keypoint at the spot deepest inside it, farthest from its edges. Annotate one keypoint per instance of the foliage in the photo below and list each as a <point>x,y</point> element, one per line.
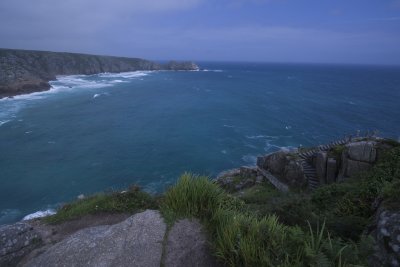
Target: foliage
<point>337,151</point>
<point>391,142</point>
<point>241,237</point>
<point>130,201</point>
<point>193,196</point>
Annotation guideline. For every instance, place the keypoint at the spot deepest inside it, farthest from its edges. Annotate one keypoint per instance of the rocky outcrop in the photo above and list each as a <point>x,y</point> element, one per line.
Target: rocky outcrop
<point>24,71</point>
<point>331,170</point>
<point>187,246</point>
<point>137,241</point>
<point>238,179</point>
<point>284,166</point>
<point>16,241</point>
<point>185,65</point>
<point>387,239</point>
<point>362,151</point>
<point>358,157</point>
<point>320,166</point>
<point>324,164</point>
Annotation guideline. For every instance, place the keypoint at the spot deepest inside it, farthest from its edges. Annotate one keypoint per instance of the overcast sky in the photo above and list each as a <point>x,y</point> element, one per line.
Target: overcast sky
<point>327,31</point>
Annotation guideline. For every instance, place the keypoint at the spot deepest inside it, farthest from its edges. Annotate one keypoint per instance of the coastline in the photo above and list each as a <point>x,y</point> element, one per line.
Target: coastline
<point>25,71</point>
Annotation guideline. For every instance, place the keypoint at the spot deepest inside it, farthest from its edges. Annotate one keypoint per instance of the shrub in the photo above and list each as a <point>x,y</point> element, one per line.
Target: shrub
<point>241,239</point>
<point>193,196</point>
<point>131,201</point>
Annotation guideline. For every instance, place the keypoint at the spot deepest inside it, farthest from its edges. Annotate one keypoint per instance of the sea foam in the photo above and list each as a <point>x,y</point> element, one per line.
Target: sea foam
<point>39,214</point>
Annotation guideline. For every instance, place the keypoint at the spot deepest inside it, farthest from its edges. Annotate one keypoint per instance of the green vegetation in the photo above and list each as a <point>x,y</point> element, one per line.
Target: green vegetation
<point>336,151</point>
<point>391,142</point>
<point>130,201</point>
<point>260,226</point>
<point>243,237</point>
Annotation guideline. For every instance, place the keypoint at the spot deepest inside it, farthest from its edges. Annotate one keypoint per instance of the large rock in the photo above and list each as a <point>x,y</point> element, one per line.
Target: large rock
<point>320,166</point>
<point>187,246</point>
<point>16,241</point>
<point>353,167</point>
<point>387,239</point>
<point>274,162</point>
<point>362,151</point>
<point>284,166</point>
<point>293,174</point>
<point>137,241</point>
<point>331,170</point>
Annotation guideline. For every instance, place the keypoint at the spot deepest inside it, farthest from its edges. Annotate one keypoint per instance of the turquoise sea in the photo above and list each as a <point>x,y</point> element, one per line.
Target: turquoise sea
<point>108,131</point>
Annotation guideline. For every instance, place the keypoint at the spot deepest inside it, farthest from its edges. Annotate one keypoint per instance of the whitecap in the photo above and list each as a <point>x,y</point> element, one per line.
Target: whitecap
<point>4,122</point>
<point>39,214</point>
<point>261,136</point>
<point>126,75</point>
<point>207,70</point>
<point>224,151</point>
<point>77,81</point>
<point>228,126</point>
<point>118,81</point>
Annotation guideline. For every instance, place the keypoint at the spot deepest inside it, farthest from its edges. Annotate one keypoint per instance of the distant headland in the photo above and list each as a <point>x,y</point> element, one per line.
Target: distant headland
<point>27,71</point>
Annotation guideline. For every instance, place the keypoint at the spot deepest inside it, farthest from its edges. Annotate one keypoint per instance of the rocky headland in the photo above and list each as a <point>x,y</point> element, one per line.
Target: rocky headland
<point>265,215</point>
<point>25,71</point>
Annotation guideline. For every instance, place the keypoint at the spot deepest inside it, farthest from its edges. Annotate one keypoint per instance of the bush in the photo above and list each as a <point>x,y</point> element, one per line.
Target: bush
<point>131,201</point>
<point>242,238</point>
<point>193,196</point>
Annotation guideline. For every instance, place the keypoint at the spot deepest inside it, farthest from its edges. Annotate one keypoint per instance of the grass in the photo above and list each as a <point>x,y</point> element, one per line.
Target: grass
<point>262,227</point>
<point>240,237</point>
<point>130,201</point>
<point>258,194</point>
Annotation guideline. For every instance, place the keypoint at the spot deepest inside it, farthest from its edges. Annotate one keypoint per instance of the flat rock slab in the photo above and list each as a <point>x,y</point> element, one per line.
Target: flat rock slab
<point>137,241</point>
<point>16,241</point>
<point>187,246</point>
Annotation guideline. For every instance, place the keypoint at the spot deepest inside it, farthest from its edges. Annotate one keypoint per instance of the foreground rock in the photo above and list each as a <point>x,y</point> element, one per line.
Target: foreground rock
<point>137,241</point>
<point>24,71</point>
<point>187,246</point>
<point>285,166</point>
<point>387,238</point>
<point>16,241</point>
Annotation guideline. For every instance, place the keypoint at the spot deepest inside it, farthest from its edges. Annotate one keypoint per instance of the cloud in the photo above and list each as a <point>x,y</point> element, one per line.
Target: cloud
<point>165,29</point>
<point>79,20</point>
<point>262,43</point>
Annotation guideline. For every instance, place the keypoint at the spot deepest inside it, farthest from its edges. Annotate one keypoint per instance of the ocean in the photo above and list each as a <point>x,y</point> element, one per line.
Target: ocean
<point>108,131</point>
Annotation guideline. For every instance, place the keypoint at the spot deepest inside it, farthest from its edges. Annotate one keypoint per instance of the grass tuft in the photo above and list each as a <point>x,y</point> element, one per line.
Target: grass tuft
<point>130,201</point>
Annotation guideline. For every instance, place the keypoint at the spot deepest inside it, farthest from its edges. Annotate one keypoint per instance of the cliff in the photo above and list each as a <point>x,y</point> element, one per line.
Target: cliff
<point>25,71</point>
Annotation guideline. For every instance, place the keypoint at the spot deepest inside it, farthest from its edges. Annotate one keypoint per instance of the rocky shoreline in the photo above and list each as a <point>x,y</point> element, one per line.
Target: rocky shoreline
<point>25,71</point>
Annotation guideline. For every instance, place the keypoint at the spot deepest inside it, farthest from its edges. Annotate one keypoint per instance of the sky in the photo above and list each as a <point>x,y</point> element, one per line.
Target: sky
<point>298,31</point>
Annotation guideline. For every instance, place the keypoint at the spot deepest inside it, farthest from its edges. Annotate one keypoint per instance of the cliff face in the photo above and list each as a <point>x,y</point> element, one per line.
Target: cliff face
<point>24,71</point>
